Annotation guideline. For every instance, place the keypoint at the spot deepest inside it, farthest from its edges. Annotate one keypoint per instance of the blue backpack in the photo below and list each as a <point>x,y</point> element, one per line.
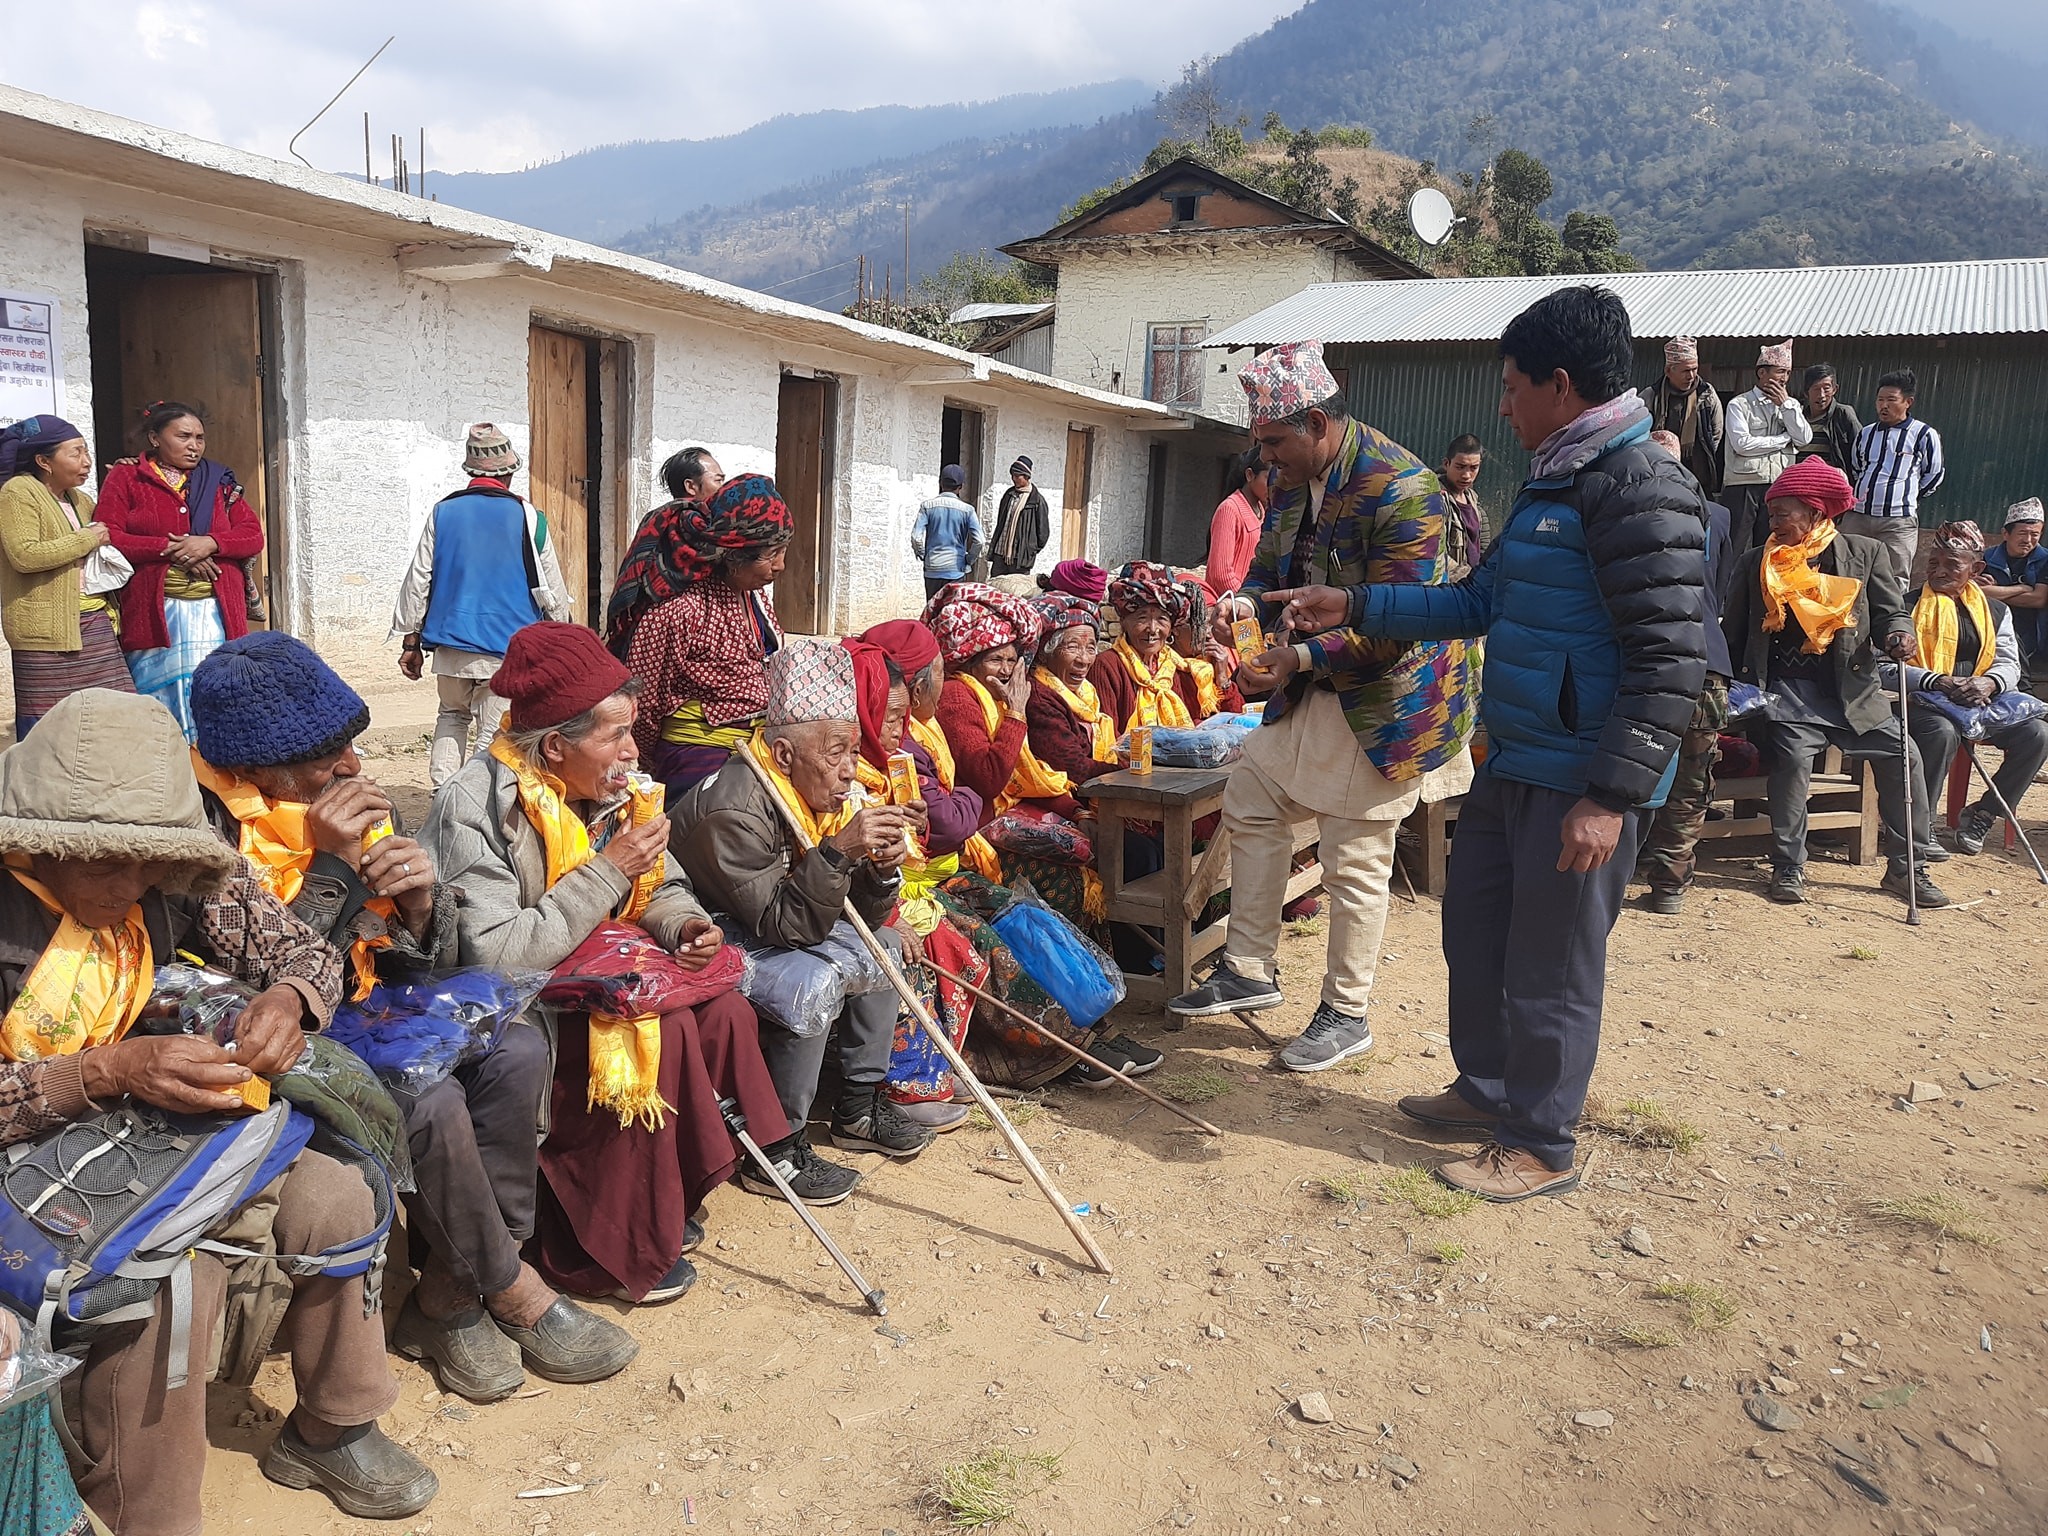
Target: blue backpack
<point>99,1215</point>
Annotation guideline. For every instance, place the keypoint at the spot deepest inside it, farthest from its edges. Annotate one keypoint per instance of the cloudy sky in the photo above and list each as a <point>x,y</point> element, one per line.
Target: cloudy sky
<point>500,85</point>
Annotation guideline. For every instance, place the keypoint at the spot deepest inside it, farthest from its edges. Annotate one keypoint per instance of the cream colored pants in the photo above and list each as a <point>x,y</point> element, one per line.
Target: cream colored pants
<point>1310,767</point>
<point>467,704</point>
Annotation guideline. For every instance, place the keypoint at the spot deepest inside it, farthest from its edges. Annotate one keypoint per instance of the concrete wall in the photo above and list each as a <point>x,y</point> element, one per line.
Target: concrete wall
<point>1107,302</point>
<point>383,370</point>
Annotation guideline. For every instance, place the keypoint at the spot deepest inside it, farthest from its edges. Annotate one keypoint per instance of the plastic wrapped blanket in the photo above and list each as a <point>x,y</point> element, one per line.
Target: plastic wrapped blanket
<point>416,1034</point>
<point>1054,953</point>
<point>1977,722</point>
<point>622,971</point>
<point>804,990</point>
<point>1216,741</point>
<point>1035,834</point>
<point>25,1367</point>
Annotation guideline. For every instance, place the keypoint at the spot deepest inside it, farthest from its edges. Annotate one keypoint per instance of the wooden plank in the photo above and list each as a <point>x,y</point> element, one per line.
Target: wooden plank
<point>558,456</point>
<point>197,338</point>
<point>1080,481</point>
<point>1161,787</point>
<point>800,433</point>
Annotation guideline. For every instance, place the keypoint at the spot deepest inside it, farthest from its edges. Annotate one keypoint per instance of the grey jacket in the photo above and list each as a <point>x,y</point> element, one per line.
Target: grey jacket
<point>489,853</point>
<point>1880,612</point>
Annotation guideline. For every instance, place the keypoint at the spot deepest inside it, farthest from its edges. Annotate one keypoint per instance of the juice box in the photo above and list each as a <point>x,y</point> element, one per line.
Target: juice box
<point>1246,635</point>
<point>377,834</point>
<point>903,779</point>
<point>1141,749</point>
<point>649,795</point>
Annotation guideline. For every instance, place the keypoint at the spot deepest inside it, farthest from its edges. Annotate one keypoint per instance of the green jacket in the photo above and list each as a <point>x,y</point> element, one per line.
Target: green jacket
<point>39,574</point>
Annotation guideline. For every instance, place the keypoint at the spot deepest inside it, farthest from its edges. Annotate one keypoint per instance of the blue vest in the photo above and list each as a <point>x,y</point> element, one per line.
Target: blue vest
<point>484,573</point>
<point>1552,662</point>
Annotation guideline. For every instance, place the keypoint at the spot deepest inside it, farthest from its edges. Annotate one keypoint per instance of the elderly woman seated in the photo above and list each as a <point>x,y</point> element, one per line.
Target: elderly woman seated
<point>1142,679</point>
<point>690,616</point>
<point>1968,656</point>
<point>1810,611</point>
<point>1069,729</point>
<point>111,868</point>
<point>542,839</point>
<point>735,834</point>
<point>287,788</point>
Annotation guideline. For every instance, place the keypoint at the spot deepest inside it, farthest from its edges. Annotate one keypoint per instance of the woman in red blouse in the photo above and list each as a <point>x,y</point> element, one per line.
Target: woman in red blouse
<point>180,519</point>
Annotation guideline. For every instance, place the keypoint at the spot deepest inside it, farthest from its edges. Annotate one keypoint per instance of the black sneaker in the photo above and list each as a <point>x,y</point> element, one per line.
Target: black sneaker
<point>1974,829</point>
<point>1331,1037</point>
<point>1226,992</point>
<point>1665,901</point>
<point>670,1287</point>
<point>693,1232</point>
<point>1934,853</point>
<point>1925,892</point>
<point>1787,887</point>
<point>813,1180</point>
<point>880,1126</point>
<point>1119,1051</point>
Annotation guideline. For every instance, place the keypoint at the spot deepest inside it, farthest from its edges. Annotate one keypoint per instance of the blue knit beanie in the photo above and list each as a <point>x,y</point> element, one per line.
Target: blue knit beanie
<point>266,701</point>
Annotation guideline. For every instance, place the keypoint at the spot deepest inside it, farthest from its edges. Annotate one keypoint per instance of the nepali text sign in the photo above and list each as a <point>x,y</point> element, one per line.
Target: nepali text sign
<point>29,367</point>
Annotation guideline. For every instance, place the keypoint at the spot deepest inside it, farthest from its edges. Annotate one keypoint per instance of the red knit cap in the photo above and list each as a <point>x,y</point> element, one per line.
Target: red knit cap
<point>554,672</point>
<point>1817,483</point>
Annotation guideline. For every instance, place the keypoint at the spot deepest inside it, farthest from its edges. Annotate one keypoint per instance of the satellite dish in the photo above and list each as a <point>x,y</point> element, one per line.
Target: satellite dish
<point>1431,217</point>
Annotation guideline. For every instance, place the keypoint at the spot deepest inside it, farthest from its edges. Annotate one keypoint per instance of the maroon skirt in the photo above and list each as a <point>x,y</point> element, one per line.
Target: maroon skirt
<point>612,1198</point>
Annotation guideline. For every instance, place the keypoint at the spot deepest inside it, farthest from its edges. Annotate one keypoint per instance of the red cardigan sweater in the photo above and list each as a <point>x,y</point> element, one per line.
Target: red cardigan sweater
<point>981,763</point>
<point>142,515</point>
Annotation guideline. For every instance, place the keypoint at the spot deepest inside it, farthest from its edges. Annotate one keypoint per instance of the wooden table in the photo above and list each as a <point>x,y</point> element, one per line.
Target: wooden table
<point>1172,899</point>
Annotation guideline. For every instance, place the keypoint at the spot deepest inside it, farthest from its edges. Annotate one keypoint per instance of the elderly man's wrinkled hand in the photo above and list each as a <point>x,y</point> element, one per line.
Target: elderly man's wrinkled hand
<point>1973,691</point>
<point>401,869</point>
<point>344,811</point>
<point>1268,670</point>
<point>177,1072</point>
<point>636,850</point>
<point>697,943</point>
<point>1901,646</point>
<point>269,1034</point>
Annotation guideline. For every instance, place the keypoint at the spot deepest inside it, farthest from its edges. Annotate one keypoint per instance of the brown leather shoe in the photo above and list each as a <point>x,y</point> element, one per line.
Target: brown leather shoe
<point>1447,1111</point>
<point>1507,1174</point>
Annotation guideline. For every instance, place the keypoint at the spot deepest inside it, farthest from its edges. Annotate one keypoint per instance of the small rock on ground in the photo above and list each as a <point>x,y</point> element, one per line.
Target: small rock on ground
<point>1637,1241</point>
<point>1976,1447</point>
<point>1771,1413</point>
<point>1593,1418</point>
<point>1925,1093</point>
<point>1314,1407</point>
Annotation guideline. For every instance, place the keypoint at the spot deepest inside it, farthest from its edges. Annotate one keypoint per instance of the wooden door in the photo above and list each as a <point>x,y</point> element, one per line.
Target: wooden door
<point>558,459</point>
<point>198,339</point>
<point>1074,499</point>
<point>802,435</point>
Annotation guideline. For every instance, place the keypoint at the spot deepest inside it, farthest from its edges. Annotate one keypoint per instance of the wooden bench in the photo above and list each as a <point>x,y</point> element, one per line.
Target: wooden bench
<point>1836,802</point>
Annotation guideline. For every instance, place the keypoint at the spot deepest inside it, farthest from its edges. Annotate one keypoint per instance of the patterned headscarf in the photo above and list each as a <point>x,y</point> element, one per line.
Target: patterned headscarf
<point>1817,483</point>
<point>1062,611</point>
<point>1286,380</point>
<point>1965,539</point>
<point>810,681</point>
<point>970,617</point>
<point>2028,511</point>
<point>680,545</point>
<point>1145,583</point>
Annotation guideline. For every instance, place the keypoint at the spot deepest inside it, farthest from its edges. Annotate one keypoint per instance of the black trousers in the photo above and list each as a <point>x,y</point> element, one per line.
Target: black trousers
<point>1527,951</point>
<point>476,1154</point>
<point>2022,746</point>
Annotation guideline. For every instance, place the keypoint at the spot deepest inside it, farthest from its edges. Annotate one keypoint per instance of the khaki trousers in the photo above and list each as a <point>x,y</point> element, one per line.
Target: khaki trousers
<point>466,703</point>
<point>145,1444</point>
<point>1312,767</point>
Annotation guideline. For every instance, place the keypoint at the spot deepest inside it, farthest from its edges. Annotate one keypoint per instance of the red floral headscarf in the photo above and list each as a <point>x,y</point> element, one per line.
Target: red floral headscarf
<point>679,545</point>
<point>970,617</point>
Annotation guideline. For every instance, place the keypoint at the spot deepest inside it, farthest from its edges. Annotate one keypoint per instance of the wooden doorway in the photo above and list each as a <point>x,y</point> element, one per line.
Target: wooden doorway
<point>1080,485</point>
<point>162,328</point>
<point>805,430</point>
<point>962,435</point>
<point>565,456</point>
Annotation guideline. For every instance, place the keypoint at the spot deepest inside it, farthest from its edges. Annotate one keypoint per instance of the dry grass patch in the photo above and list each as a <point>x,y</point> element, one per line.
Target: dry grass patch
<point>1447,1253</point>
<point>1943,1215</point>
<point>1638,1336</point>
<point>1643,1123</point>
<point>986,1489</point>
<point>1423,1194</point>
<point>1196,1087</point>
<point>1350,1188</point>
<point>1707,1307</point>
<point>1019,1112</point>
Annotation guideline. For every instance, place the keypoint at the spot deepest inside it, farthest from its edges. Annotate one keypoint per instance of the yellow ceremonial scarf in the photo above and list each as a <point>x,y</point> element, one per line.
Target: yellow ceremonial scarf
<point>977,853</point>
<point>1939,631</point>
<point>1825,604</point>
<point>625,1054</point>
<point>1158,703</point>
<point>1086,705</point>
<point>1031,780</point>
<point>278,848</point>
<point>817,827</point>
<point>86,988</point>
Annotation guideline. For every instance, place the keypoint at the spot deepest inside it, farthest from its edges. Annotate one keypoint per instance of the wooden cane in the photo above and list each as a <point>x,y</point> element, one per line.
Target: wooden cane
<point>1070,1048</point>
<point>939,1037</point>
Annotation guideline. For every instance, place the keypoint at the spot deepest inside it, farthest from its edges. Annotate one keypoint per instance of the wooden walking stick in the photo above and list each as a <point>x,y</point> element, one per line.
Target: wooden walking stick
<point>1069,1047</point>
<point>939,1037</point>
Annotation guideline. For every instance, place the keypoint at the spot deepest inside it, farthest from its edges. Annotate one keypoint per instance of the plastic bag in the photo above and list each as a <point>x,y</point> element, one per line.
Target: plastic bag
<point>25,1367</point>
<point>414,1035</point>
<point>623,971</point>
<point>804,990</point>
<point>1036,834</point>
<point>1979,721</point>
<point>1216,741</point>
<point>1059,957</point>
<point>1746,702</point>
<point>188,999</point>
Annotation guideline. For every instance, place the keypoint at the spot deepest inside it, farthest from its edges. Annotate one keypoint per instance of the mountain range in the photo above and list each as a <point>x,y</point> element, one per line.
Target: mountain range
<point>1714,132</point>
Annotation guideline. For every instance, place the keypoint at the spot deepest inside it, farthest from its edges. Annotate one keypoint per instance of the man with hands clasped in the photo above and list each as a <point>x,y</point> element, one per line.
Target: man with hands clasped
<point>1591,600</point>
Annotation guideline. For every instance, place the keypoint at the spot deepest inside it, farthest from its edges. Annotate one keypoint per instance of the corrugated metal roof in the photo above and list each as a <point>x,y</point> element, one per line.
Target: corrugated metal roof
<point>1949,298</point>
<point>971,314</point>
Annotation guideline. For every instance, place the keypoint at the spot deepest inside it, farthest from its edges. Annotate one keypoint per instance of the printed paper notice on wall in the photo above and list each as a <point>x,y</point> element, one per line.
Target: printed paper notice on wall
<point>30,367</point>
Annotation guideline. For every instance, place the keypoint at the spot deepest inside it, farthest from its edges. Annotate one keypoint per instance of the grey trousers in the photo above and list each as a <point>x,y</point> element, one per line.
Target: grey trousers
<point>865,1033</point>
<point>2022,746</point>
<point>1527,952</point>
<point>1900,537</point>
<point>1793,747</point>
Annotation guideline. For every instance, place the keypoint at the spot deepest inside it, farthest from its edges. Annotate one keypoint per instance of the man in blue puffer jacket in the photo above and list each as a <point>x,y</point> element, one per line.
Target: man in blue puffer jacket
<point>1592,601</point>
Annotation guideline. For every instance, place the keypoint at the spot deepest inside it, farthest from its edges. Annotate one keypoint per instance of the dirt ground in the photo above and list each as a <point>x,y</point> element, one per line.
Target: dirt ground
<point>1506,1370</point>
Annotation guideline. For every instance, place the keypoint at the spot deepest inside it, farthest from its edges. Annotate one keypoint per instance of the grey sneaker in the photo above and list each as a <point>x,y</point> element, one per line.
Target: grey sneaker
<point>1226,992</point>
<point>1787,887</point>
<point>1331,1037</point>
<point>1974,828</point>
